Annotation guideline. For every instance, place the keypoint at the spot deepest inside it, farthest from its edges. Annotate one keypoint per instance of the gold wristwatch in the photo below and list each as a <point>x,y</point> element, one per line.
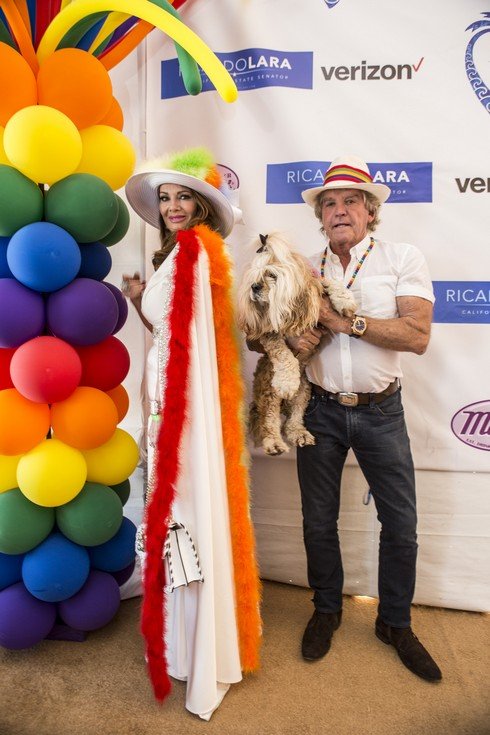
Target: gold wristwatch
<point>358,326</point>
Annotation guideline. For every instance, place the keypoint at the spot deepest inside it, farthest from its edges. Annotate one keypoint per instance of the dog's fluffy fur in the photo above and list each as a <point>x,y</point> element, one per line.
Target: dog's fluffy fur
<point>279,297</point>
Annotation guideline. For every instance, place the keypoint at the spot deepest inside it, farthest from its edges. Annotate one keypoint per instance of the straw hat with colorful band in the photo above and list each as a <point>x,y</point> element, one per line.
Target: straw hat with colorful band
<point>347,172</point>
<point>194,169</point>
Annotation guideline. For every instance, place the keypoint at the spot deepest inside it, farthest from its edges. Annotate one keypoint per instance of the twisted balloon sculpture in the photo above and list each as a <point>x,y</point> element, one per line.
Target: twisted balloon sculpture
<point>109,30</point>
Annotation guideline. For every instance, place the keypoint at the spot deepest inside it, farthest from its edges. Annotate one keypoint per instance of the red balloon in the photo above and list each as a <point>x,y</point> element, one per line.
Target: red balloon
<point>46,369</point>
<point>5,358</point>
<point>105,364</point>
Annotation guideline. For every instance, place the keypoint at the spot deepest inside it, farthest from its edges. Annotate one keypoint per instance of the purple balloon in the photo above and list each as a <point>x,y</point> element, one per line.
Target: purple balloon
<point>122,305</point>
<point>83,313</point>
<point>22,314</point>
<point>24,620</point>
<point>95,605</point>
<point>124,574</point>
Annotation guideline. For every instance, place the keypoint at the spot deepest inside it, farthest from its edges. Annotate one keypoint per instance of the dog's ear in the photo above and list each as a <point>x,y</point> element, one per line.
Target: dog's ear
<point>263,240</point>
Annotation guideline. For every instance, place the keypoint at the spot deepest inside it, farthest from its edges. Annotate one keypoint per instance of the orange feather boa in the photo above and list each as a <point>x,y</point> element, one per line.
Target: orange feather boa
<point>247,584</point>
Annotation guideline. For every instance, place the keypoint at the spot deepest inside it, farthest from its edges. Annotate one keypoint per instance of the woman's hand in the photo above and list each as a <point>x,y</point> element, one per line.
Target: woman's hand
<point>154,429</point>
<point>133,287</point>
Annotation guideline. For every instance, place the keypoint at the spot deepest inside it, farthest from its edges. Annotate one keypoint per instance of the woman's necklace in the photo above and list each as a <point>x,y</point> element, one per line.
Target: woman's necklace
<point>358,266</point>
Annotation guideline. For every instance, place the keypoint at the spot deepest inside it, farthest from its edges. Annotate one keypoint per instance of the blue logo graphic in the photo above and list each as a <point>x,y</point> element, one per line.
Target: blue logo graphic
<point>250,69</point>
<point>479,87</point>
<point>409,182</point>
<point>332,3</point>
<point>462,302</point>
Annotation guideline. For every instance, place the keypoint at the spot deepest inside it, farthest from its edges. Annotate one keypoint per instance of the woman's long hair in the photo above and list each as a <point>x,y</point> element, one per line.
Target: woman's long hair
<point>205,215</point>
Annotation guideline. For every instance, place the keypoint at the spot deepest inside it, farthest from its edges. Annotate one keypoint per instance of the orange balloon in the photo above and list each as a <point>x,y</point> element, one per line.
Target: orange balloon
<point>115,117</point>
<point>23,423</point>
<point>76,83</point>
<point>86,419</point>
<point>121,399</point>
<point>17,82</point>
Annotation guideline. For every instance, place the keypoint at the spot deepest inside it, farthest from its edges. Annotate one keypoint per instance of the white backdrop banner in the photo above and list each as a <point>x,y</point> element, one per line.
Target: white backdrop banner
<point>400,84</point>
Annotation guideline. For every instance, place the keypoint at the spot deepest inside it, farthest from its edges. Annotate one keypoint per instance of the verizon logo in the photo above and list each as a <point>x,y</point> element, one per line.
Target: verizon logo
<point>477,185</point>
<point>367,72</point>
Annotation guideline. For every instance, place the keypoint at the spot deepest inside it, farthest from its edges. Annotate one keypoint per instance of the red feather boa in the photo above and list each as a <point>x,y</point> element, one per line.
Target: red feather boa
<point>167,460</point>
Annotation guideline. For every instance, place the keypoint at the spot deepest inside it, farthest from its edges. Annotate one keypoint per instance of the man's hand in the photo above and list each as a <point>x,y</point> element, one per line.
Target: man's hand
<point>306,343</point>
<point>330,319</point>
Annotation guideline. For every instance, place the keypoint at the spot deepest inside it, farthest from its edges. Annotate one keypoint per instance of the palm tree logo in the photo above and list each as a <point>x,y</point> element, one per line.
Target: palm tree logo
<point>479,87</point>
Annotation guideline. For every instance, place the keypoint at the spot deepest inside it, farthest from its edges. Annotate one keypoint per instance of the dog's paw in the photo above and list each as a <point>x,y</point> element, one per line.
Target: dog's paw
<point>300,437</point>
<point>341,298</point>
<point>273,446</point>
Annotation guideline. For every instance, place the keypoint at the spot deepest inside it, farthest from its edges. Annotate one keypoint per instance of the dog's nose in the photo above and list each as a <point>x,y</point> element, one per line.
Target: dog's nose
<point>256,287</point>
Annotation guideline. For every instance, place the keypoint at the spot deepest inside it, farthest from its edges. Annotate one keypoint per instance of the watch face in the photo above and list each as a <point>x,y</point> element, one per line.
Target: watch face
<point>359,325</point>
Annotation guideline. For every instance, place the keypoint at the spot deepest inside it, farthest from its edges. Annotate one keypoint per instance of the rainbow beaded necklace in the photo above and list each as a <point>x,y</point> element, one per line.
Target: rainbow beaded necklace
<point>358,266</point>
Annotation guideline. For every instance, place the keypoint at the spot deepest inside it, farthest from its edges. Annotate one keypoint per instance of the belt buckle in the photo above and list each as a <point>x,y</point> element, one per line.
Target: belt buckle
<point>348,399</point>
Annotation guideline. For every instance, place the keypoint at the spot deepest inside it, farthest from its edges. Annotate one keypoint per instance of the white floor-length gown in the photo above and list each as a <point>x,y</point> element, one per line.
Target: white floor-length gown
<point>201,629</point>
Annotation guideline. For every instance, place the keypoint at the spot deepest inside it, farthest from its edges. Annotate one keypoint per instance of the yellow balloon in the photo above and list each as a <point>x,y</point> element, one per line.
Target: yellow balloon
<point>52,473</point>
<point>158,17</point>
<point>8,471</point>
<point>114,461</point>
<point>3,156</point>
<point>43,143</point>
<point>108,154</point>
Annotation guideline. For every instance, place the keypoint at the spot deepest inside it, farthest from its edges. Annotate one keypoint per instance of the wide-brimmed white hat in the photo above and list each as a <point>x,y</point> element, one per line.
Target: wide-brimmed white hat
<point>190,169</point>
<point>348,172</point>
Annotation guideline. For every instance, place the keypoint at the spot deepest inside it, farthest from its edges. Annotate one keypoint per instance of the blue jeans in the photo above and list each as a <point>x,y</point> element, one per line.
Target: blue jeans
<point>379,439</point>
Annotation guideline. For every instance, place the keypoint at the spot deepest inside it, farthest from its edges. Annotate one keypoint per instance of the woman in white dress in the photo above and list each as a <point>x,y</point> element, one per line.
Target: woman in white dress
<point>197,510</point>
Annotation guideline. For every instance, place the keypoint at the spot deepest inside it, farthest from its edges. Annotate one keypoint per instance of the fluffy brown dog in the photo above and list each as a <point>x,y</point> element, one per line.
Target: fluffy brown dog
<point>279,297</point>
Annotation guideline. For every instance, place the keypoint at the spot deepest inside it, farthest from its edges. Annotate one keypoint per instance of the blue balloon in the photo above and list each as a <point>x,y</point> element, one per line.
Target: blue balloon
<point>118,552</point>
<point>56,569</point>
<point>5,271</point>
<point>96,261</point>
<point>43,256</point>
<point>10,569</point>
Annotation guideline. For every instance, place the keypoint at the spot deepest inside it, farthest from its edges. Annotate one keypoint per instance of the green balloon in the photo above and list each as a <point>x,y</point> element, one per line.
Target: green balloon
<point>123,490</point>
<point>23,525</point>
<point>84,205</point>
<point>121,226</point>
<point>93,517</point>
<point>21,201</point>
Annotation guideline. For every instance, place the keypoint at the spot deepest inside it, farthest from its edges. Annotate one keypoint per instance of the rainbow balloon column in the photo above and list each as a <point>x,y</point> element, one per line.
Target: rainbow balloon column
<point>64,464</point>
<point>65,546</point>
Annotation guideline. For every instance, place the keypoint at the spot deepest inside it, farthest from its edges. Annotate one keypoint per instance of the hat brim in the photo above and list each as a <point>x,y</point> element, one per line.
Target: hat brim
<point>142,194</point>
<point>380,191</point>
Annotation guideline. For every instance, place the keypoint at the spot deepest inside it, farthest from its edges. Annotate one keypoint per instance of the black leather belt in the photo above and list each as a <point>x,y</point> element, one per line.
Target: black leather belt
<point>356,399</point>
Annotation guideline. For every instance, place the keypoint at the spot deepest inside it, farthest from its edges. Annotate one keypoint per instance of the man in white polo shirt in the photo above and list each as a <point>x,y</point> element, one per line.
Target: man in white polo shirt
<point>356,403</point>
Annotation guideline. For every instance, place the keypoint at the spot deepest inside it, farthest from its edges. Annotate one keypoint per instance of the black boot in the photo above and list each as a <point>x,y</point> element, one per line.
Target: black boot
<point>318,634</point>
<point>410,650</point>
